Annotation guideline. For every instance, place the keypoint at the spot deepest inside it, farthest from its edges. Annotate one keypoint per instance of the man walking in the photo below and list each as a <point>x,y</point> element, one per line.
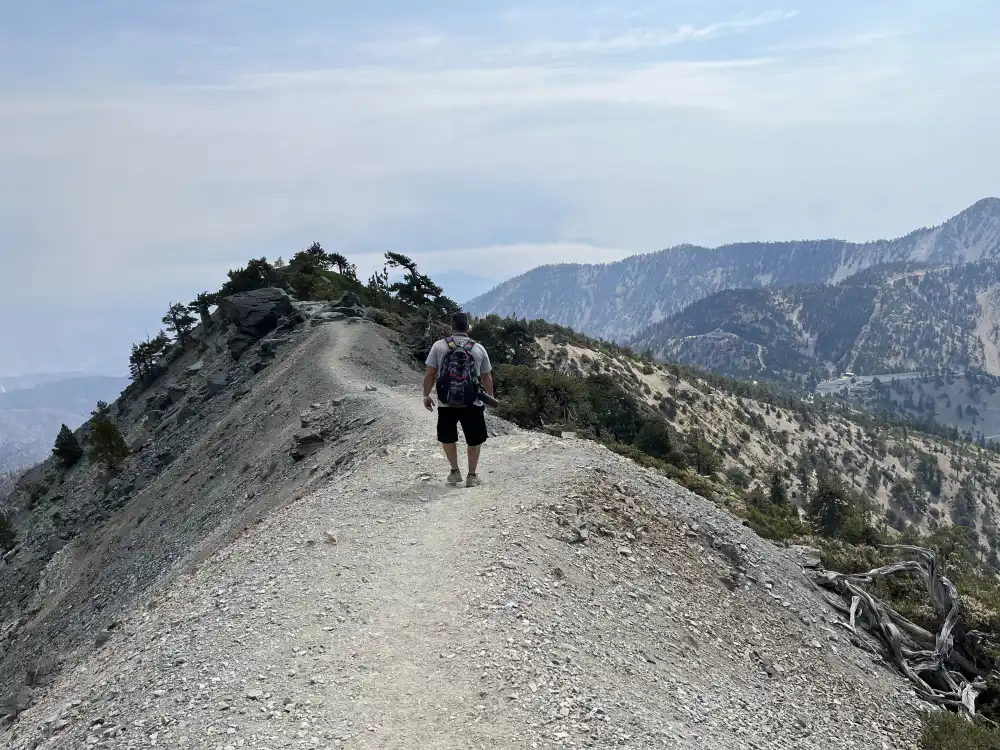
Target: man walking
<point>458,369</point>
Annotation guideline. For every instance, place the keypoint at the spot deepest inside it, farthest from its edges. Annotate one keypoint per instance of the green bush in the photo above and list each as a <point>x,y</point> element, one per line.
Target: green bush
<point>944,730</point>
<point>773,516</point>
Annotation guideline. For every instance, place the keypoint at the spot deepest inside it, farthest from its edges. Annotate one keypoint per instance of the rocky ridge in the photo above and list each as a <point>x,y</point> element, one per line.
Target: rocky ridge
<point>908,478</point>
<point>574,599</point>
<point>211,443</point>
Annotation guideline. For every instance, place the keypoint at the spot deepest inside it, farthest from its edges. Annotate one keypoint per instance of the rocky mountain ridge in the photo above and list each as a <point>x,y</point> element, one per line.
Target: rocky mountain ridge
<point>616,300</point>
<point>277,565</point>
<point>753,434</point>
<point>912,318</point>
<point>277,562</point>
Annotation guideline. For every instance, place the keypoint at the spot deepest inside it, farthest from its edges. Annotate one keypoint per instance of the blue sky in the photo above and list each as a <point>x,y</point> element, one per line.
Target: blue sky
<point>147,147</point>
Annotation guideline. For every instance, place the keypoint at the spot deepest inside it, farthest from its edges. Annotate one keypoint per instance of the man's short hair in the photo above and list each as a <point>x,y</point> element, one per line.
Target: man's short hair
<point>460,322</point>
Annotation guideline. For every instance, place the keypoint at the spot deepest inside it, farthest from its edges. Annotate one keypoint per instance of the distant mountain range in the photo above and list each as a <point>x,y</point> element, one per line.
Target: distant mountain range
<point>618,300</point>
<point>886,319</point>
<point>33,407</point>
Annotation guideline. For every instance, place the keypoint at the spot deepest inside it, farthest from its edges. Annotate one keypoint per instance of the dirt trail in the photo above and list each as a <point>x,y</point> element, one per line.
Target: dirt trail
<point>385,610</point>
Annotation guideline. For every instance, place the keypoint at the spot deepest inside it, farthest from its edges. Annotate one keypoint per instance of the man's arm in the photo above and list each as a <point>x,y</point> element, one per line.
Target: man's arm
<point>487,380</point>
<point>430,375</point>
<point>485,368</point>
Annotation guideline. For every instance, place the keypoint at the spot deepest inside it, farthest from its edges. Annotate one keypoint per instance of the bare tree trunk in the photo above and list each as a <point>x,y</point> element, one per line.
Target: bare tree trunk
<point>943,666</point>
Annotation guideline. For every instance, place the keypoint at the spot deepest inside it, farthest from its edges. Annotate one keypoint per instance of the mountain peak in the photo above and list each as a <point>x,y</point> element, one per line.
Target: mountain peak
<point>983,207</point>
<point>615,300</point>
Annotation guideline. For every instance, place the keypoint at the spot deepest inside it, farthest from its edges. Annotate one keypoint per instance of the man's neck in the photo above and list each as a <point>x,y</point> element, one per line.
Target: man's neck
<point>460,333</point>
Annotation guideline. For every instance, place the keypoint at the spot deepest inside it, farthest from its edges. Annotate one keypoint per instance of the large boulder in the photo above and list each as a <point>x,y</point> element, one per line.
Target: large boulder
<point>253,315</point>
<point>216,384</point>
<point>306,444</point>
<point>350,299</point>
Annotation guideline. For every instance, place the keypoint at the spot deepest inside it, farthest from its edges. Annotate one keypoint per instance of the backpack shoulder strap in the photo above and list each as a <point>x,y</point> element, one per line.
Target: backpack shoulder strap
<point>450,341</point>
<point>468,345</point>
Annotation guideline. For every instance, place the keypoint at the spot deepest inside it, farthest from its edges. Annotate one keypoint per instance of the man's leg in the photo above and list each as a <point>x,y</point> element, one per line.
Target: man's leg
<point>451,453</point>
<point>447,435</point>
<point>474,427</point>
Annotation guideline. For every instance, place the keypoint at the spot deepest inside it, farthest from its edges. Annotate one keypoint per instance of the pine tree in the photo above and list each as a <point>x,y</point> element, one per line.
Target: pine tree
<point>378,288</point>
<point>778,495</point>
<point>8,537</point>
<point>100,412</point>
<point>201,305</point>
<point>146,354</point>
<point>344,267</point>
<point>67,448</point>
<point>258,274</point>
<point>179,321</point>
<point>320,256</point>
<point>107,444</point>
<point>416,289</point>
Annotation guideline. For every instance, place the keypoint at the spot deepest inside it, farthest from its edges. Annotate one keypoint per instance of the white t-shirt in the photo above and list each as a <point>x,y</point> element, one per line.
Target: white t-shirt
<point>436,356</point>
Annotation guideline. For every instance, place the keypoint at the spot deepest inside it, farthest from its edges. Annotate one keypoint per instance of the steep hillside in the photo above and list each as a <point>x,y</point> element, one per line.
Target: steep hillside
<point>884,320</point>
<point>254,547</point>
<point>748,434</point>
<point>573,599</point>
<point>617,300</point>
<point>214,442</point>
<point>33,408</point>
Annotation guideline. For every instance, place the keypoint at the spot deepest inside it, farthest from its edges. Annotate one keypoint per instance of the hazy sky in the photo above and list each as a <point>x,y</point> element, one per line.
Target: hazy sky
<point>147,147</point>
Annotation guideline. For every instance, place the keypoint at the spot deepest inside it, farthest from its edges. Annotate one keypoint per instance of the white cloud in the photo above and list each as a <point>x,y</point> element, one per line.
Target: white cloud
<point>840,43</point>
<point>129,178</point>
<point>166,184</point>
<point>636,40</point>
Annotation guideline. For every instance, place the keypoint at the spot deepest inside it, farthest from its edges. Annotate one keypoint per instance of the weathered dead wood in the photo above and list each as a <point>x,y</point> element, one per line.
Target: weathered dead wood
<point>944,671</point>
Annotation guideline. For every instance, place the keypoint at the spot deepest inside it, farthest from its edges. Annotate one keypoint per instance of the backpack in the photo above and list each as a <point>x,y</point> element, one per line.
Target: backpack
<point>458,376</point>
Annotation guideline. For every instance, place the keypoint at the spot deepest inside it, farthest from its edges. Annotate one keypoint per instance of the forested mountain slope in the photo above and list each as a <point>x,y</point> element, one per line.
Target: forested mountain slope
<point>884,320</point>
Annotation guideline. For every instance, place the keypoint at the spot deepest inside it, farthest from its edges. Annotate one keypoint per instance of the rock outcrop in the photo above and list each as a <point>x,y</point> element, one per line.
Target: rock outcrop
<point>252,315</point>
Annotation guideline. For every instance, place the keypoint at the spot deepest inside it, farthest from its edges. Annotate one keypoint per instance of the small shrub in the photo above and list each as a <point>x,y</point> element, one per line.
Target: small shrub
<point>773,517</point>
<point>738,478</point>
<point>944,730</point>
<point>696,483</point>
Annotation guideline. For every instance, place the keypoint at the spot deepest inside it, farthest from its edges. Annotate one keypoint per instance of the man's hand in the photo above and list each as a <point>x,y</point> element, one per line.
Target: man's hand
<point>430,375</point>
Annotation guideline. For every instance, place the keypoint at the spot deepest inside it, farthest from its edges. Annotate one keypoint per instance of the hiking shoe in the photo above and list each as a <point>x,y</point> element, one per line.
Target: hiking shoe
<point>472,481</point>
<point>455,477</point>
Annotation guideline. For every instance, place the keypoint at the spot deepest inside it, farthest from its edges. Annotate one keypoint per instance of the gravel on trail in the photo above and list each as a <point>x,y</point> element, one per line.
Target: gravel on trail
<point>574,599</point>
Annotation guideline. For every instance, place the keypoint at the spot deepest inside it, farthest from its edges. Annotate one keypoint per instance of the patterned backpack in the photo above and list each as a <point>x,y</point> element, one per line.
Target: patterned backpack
<point>458,378</point>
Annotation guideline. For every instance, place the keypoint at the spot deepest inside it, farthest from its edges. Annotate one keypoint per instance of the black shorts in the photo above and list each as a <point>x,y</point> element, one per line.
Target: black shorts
<point>472,419</point>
